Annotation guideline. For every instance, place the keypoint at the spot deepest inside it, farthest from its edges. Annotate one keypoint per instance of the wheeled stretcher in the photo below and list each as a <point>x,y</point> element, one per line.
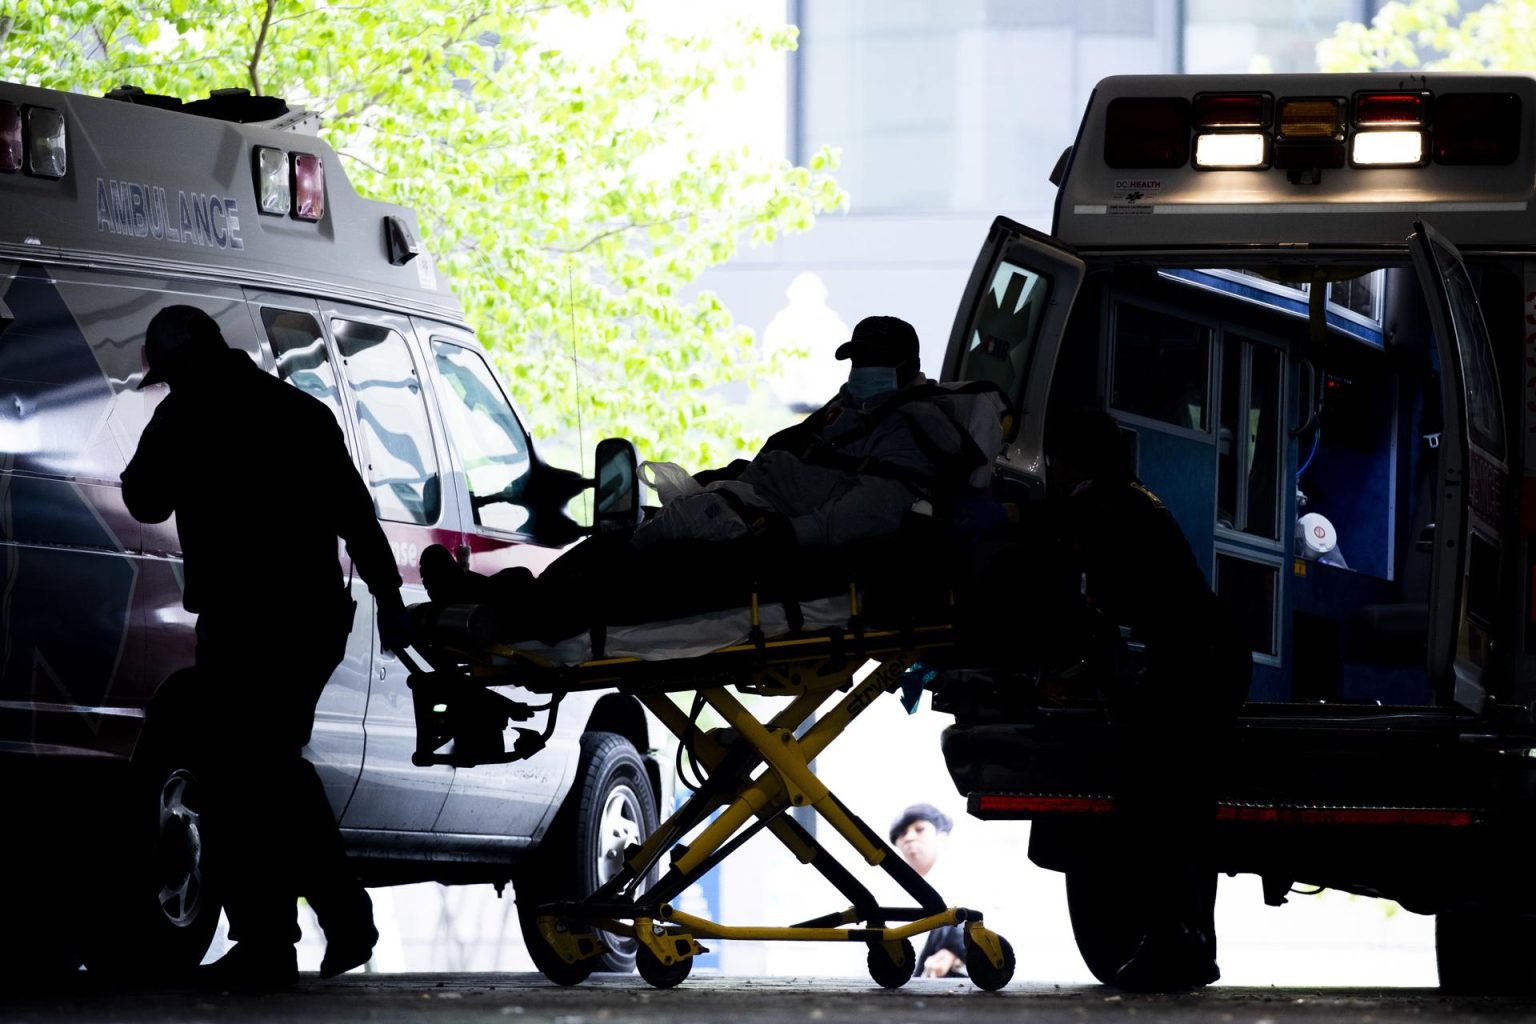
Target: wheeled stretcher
<point>461,713</point>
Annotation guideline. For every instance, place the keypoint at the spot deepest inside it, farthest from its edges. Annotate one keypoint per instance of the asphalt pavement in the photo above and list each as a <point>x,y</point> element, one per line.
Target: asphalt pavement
<point>705,999</point>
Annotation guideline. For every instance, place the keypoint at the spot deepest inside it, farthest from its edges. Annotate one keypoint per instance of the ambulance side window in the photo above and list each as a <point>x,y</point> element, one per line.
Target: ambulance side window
<point>1160,367</point>
<point>298,347</point>
<point>393,430</point>
<point>491,443</point>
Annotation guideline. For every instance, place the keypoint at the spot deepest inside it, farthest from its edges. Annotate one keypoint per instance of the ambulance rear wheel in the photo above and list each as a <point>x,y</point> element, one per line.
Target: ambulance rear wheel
<point>1105,921</point>
<point>888,973</point>
<point>1486,951</point>
<point>159,904</point>
<point>661,975</point>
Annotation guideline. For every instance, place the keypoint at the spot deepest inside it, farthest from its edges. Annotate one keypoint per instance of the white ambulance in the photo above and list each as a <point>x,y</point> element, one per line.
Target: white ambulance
<point>1310,303</point>
<point>109,210</point>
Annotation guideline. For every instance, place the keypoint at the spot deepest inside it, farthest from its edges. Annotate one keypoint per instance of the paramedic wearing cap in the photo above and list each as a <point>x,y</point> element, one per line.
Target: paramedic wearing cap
<point>260,481</point>
<point>920,835</point>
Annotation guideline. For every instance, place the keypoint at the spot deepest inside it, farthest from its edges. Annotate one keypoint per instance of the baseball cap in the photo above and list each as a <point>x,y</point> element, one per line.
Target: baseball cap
<point>920,812</point>
<point>881,341</point>
<point>177,334</point>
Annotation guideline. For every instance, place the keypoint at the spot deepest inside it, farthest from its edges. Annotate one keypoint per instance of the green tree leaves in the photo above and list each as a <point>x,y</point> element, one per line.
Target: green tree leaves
<point>548,150</point>
<point>1500,35</point>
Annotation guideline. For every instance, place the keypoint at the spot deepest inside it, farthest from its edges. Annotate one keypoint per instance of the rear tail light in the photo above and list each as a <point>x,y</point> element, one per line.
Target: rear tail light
<point>10,138</point>
<point>1387,149</point>
<point>1147,132</point>
<point>274,194</point>
<point>1390,109</point>
<point>43,131</point>
<point>1477,128</point>
<point>1240,110</point>
<point>308,186</point>
<point>1311,119</point>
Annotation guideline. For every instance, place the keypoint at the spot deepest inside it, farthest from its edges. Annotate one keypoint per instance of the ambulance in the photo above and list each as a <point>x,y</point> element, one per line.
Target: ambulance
<point>1310,303</point>
<point>110,209</point>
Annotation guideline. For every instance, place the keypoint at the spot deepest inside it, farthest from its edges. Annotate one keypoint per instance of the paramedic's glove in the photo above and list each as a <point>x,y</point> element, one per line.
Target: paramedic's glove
<point>396,629</point>
<point>978,518</point>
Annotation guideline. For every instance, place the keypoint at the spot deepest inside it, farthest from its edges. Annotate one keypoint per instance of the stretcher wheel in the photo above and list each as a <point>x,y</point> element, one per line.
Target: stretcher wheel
<point>886,972</point>
<point>658,974</point>
<point>551,964</point>
<point>988,976</point>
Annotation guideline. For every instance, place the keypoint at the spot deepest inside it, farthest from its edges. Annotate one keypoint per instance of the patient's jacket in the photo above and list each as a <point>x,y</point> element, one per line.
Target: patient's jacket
<point>848,473</point>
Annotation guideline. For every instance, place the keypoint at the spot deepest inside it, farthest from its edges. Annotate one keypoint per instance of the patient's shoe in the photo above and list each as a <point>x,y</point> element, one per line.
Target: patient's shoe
<point>251,967</point>
<point>1170,959</point>
<point>348,949</point>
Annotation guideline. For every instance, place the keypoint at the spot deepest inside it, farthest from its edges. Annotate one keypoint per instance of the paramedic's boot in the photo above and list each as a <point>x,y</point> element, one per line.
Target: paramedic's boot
<point>1170,958</point>
<point>345,914</point>
<point>251,967</point>
<point>347,950</point>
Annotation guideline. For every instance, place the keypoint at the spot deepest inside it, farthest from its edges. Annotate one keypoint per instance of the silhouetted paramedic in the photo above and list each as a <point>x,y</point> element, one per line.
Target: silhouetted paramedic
<point>1139,572</point>
<point>260,481</point>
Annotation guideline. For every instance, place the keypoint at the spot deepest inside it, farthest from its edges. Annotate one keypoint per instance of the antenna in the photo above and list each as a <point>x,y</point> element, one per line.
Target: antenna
<point>581,441</point>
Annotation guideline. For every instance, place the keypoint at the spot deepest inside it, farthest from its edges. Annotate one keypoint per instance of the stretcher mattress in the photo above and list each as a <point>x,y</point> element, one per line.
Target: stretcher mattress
<point>692,635</point>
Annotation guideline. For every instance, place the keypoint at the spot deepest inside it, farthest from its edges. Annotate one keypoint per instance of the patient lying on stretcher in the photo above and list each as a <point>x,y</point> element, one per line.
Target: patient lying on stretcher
<point>825,502</point>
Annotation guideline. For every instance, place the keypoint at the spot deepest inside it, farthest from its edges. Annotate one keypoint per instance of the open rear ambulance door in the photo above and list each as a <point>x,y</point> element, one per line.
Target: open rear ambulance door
<point>1008,330</point>
<point>1471,472</point>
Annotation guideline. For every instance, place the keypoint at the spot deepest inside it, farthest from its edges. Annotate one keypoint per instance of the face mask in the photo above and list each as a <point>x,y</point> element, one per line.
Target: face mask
<point>867,383</point>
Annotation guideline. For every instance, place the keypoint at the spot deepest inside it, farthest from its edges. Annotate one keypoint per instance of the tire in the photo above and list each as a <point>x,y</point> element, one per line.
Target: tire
<point>1106,921</point>
<point>161,907</point>
<point>1483,951</point>
<point>987,976</point>
<point>888,973</point>
<point>611,806</point>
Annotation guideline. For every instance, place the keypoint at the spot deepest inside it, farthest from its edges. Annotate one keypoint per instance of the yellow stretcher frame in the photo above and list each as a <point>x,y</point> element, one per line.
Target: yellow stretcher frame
<point>811,670</point>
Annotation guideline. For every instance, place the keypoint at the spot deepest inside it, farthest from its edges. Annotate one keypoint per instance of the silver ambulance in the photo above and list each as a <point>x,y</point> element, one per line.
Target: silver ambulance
<point>1310,303</point>
<point>110,209</point>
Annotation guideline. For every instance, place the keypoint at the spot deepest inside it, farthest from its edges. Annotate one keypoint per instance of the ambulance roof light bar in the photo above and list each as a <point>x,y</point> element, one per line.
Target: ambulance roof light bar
<point>1305,134</point>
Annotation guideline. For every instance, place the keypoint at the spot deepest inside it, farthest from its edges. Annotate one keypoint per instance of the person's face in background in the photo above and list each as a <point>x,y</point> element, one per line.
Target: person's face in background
<point>919,845</point>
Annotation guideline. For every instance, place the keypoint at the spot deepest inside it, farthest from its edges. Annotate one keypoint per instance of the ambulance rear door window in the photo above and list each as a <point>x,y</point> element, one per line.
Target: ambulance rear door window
<point>393,429</point>
<point>999,348</point>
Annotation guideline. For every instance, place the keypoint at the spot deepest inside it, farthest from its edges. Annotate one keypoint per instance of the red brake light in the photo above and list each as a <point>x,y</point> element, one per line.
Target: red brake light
<point>1242,110</point>
<point>1147,132</point>
<point>1395,109</point>
<point>1477,128</point>
<point>10,138</point>
<point>308,186</point>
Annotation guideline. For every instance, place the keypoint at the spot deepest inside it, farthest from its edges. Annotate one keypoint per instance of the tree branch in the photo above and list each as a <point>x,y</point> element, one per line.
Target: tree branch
<point>261,40</point>
<point>619,230</point>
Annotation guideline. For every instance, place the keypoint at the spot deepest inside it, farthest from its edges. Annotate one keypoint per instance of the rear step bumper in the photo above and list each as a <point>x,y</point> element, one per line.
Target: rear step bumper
<point>1031,806</point>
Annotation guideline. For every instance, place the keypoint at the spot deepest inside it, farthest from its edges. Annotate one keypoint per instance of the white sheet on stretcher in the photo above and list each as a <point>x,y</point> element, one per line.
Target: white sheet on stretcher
<point>692,636</point>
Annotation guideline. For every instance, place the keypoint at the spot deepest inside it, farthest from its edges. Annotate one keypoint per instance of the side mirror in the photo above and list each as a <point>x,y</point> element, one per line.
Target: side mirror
<point>618,485</point>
